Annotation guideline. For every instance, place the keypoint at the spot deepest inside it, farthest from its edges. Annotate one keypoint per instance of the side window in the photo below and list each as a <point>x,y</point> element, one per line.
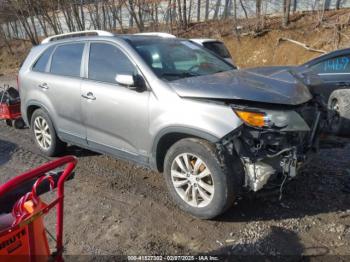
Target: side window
<point>340,64</point>
<point>66,60</point>
<point>40,64</point>
<point>106,61</point>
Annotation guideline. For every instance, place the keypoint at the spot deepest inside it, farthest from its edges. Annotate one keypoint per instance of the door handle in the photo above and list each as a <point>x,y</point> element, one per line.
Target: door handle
<point>44,86</point>
<point>89,96</point>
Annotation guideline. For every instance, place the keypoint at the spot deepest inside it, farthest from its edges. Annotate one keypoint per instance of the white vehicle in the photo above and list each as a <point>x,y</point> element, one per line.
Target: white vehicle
<point>216,46</point>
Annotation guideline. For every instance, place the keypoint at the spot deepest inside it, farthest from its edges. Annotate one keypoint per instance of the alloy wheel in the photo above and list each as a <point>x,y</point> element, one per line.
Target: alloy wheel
<point>42,133</point>
<point>192,180</point>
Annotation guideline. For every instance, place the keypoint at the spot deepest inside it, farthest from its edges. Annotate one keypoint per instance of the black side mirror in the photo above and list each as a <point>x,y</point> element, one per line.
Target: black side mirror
<point>139,83</point>
<point>133,82</point>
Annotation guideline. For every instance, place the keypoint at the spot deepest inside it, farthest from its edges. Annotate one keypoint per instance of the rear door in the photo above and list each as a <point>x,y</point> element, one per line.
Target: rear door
<point>62,86</point>
<point>116,118</point>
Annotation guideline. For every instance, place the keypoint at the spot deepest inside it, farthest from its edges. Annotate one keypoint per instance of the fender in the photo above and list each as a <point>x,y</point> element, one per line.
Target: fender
<point>38,104</point>
<point>181,130</point>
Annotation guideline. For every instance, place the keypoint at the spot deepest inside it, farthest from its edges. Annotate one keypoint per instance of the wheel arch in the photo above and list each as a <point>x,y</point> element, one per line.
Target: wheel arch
<point>31,107</point>
<point>168,137</point>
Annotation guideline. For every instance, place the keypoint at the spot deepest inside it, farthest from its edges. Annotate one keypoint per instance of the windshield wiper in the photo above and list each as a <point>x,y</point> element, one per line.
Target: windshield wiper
<point>183,74</point>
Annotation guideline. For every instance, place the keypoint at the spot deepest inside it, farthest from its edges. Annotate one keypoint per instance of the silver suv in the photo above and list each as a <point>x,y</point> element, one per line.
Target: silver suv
<point>169,104</point>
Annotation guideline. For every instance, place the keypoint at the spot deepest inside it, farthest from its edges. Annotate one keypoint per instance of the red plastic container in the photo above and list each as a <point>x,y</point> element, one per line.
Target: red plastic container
<point>10,112</point>
<point>22,232</point>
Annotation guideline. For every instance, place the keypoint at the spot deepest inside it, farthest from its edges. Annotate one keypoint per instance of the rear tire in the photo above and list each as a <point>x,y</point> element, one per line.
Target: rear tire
<point>45,134</point>
<point>19,123</point>
<point>339,115</point>
<point>214,193</point>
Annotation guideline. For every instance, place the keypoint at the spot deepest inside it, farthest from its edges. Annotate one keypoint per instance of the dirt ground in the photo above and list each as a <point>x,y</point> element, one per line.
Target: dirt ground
<point>116,208</point>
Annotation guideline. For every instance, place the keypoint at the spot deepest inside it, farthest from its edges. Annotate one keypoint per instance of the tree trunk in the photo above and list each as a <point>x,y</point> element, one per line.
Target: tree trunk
<point>244,9</point>
<point>227,8</point>
<point>258,8</point>
<point>179,12</point>
<point>326,4</point>
<point>286,11</point>
<point>184,14</point>
<point>217,8</point>
<point>337,4</point>
<point>198,10</point>
<point>206,10</point>
<point>189,13</point>
<point>295,5</point>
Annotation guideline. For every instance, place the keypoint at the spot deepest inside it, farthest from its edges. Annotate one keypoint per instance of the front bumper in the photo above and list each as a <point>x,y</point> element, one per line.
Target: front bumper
<point>268,153</point>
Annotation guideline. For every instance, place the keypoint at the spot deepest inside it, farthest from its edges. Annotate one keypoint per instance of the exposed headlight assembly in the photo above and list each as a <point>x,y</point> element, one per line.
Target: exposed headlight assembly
<point>255,119</point>
<point>273,119</point>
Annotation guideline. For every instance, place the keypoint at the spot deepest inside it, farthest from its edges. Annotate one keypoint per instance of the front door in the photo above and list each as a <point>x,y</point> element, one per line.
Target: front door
<point>116,117</point>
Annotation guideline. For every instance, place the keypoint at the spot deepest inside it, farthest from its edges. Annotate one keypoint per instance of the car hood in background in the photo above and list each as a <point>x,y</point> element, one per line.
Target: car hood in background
<point>268,70</point>
<point>243,85</point>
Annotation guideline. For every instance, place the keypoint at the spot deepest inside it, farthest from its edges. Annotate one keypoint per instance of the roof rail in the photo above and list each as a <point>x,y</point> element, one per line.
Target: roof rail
<point>160,34</point>
<point>76,34</point>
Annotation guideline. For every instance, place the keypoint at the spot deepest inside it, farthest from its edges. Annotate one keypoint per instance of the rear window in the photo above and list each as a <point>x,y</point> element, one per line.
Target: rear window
<point>66,60</point>
<point>218,48</point>
<point>41,63</point>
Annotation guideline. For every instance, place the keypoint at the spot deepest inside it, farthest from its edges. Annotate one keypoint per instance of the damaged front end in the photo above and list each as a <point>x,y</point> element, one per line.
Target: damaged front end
<point>274,141</point>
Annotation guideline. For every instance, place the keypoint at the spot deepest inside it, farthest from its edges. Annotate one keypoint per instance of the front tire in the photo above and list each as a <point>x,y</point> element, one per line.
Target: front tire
<point>45,135</point>
<point>197,179</point>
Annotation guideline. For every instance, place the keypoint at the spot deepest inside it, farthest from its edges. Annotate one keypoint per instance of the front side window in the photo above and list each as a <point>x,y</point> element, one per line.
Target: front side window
<point>340,65</point>
<point>106,61</point>
<point>66,60</point>
<point>172,59</point>
<point>41,63</point>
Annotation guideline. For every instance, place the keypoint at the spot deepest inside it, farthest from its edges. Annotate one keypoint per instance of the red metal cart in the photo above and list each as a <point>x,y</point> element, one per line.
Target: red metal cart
<point>22,231</point>
<point>10,112</point>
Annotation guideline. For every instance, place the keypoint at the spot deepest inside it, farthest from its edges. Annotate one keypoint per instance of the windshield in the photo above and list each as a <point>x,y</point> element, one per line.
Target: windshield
<point>218,48</point>
<point>172,59</point>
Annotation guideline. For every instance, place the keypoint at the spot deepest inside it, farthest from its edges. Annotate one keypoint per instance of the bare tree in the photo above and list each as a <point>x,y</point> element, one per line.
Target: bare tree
<point>244,9</point>
<point>189,13</point>
<point>286,12</point>
<point>184,14</point>
<point>227,9</point>
<point>136,12</point>
<point>258,4</point>
<point>337,4</point>
<point>295,5</point>
<point>20,10</point>
<point>198,10</point>
<point>326,4</point>
<point>116,11</point>
<point>217,9</point>
<point>206,10</point>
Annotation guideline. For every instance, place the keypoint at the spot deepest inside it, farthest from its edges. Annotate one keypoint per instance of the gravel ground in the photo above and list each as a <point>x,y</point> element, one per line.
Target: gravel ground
<point>113,207</point>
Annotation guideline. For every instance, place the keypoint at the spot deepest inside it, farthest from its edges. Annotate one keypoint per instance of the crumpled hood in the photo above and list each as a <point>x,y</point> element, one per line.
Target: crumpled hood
<point>244,85</point>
